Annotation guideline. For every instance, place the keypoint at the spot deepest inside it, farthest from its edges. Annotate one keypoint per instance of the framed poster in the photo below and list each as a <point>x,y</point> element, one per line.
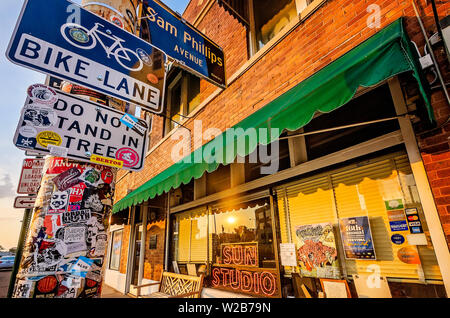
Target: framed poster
<point>116,248</point>
<point>357,238</point>
<point>316,251</point>
<point>335,288</point>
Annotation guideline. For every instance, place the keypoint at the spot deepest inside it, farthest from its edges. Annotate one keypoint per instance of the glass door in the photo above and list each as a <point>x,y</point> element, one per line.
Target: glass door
<point>136,254</point>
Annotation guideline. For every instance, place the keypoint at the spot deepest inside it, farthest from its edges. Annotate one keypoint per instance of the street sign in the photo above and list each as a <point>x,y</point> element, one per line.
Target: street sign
<point>183,42</point>
<point>24,202</point>
<point>59,124</point>
<point>30,177</point>
<point>59,38</point>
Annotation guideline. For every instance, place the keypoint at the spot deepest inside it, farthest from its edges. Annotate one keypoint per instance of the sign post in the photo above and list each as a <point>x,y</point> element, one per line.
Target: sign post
<point>78,46</point>
<point>66,244</point>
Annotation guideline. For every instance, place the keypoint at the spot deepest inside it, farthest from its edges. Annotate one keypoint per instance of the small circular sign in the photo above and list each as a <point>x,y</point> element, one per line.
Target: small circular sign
<point>129,157</point>
<point>46,138</point>
<point>408,255</point>
<point>42,94</point>
<point>398,239</point>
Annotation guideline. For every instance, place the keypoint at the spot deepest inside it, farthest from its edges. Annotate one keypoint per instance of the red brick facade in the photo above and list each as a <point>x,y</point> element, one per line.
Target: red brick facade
<point>331,31</point>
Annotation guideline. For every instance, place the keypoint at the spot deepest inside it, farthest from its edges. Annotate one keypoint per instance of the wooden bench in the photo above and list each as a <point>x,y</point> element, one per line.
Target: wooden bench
<point>175,286</point>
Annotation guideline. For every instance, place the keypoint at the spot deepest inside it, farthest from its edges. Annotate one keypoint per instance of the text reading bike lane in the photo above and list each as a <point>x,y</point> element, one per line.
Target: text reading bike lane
<point>78,46</point>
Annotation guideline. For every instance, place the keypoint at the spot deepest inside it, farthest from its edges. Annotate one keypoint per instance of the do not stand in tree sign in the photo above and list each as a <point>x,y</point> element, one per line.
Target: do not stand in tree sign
<point>59,124</point>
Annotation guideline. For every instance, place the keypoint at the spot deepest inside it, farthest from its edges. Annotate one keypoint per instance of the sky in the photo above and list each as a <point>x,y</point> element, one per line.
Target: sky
<point>14,80</point>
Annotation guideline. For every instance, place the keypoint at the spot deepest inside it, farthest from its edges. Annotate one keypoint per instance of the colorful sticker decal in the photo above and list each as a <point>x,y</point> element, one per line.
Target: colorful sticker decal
<point>39,116</point>
<point>91,177</point>
<point>398,226</point>
<point>81,266</point>
<point>58,202</point>
<point>76,193</point>
<point>394,204</point>
<point>46,287</point>
<point>46,138</point>
<point>22,289</point>
<point>409,255</point>
<point>316,253</point>
<point>52,223</point>
<point>398,239</point>
<point>129,157</point>
<point>414,223</point>
<point>79,216</point>
<point>107,176</point>
<point>42,94</point>
<point>357,238</point>
<point>107,161</point>
<point>67,179</point>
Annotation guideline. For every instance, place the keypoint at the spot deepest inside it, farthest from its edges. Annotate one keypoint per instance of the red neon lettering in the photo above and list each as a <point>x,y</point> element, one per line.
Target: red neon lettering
<point>225,275</point>
<point>227,255</point>
<point>237,255</point>
<point>235,280</point>
<point>216,278</point>
<point>250,255</point>
<point>246,281</point>
<point>267,282</point>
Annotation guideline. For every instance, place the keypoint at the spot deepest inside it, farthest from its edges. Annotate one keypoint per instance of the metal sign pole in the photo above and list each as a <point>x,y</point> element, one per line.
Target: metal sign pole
<point>20,246</point>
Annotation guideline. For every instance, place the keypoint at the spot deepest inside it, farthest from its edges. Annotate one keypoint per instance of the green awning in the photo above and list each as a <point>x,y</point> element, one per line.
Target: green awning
<point>384,55</point>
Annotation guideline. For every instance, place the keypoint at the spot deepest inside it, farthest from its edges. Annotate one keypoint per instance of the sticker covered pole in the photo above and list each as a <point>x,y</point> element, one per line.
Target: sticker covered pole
<point>66,243</point>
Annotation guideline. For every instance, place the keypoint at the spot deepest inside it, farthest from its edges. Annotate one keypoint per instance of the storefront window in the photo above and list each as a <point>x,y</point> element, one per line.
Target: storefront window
<point>116,247</point>
<point>248,224</point>
<point>271,17</point>
<point>361,220</point>
<point>189,237</point>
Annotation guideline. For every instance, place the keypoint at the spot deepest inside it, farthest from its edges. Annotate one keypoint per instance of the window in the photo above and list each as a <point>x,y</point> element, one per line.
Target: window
<point>377,105</point>
<point>248,223</point>
<point>183,96</point>
<point>268,18</point>
<point>189,237</point>
<point>116,248</point>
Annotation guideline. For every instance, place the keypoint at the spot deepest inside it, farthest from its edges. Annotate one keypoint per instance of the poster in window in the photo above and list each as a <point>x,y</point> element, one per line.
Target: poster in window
<point>357,238</point>
<point>317,255</point>
<point>115,250</point>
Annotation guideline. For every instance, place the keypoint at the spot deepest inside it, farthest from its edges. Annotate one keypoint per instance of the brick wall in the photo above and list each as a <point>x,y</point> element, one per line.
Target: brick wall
<point>334,29</point>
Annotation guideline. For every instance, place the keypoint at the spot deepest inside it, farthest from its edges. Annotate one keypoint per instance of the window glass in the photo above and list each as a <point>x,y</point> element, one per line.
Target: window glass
<point>175,107</point>
<point>271,17</point>
<point>193,92</point>
<point>115,250</point>
<point>246,224</point>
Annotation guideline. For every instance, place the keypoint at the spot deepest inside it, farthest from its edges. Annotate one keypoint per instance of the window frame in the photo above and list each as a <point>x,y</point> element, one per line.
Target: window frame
<point>113,233</point>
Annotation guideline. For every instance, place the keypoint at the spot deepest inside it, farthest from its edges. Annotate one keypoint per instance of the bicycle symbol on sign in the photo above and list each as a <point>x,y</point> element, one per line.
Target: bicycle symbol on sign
<point>86,39</point>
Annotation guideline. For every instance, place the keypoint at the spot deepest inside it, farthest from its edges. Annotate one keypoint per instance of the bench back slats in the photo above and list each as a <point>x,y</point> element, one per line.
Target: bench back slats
<point>176,284</point>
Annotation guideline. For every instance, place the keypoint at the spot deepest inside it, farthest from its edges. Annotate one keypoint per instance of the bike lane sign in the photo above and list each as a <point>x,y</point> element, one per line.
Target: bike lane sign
<point>59,38</point>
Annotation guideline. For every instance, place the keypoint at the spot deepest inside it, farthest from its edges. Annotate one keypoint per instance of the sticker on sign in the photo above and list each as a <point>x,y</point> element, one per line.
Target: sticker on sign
<point>91,52</point>
<point>81,130</point>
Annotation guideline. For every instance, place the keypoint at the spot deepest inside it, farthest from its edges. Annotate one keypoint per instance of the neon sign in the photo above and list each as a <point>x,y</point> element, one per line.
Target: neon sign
<point>245,254</point>
<point>260,282</point>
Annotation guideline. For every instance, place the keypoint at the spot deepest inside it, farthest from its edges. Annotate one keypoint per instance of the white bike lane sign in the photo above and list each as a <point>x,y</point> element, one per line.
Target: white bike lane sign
<point>59,38</point>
